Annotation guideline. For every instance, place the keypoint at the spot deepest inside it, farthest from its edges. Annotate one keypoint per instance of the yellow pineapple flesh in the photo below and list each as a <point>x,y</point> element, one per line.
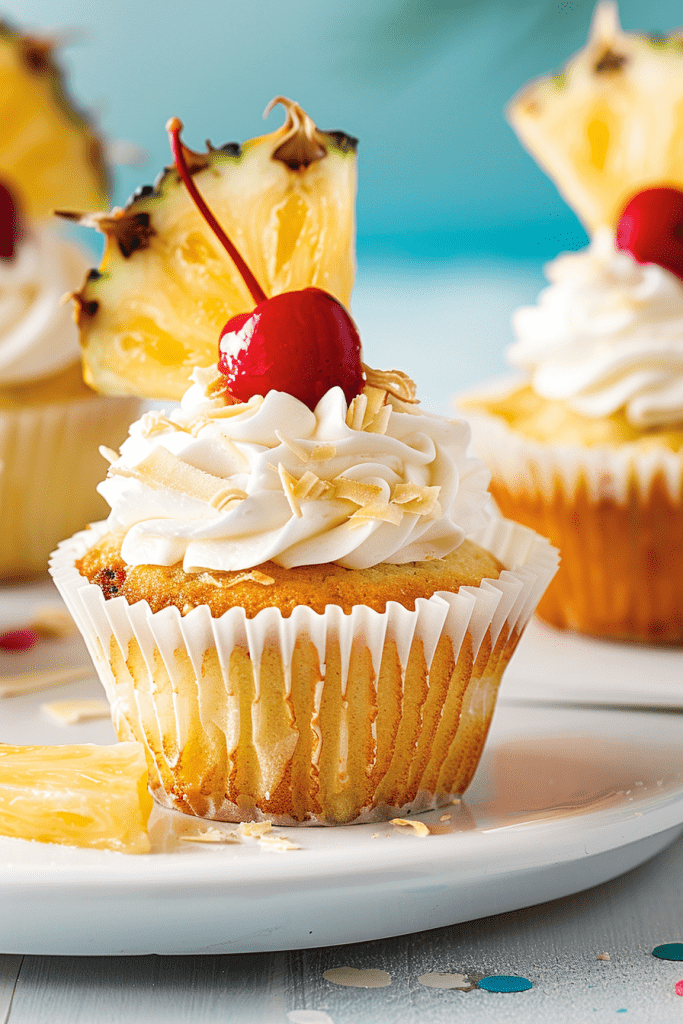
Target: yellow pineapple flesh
<point>49,154</point>
<point>166,288</point>
<point>91,796</point>
<point>611,122</point>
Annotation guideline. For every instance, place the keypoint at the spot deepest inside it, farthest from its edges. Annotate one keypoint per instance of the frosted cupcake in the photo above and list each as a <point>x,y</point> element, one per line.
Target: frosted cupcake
<point>50,423</point>
<point>284,606</point>
<point>587,445</point>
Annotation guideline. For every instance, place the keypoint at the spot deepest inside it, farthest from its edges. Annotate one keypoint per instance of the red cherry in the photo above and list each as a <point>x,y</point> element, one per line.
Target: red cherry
<point>10,223</point>
<point>18,639</point>
<point>651,228</point>
<point>300,342</point>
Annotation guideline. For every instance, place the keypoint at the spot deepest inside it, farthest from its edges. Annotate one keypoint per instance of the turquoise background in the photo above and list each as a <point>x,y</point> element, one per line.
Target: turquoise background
<point>454,217</point>
<point>422,84</point>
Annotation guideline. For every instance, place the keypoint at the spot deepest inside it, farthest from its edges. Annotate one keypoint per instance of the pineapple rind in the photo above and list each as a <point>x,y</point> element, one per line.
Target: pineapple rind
<point>157,309</point>
<point>603,135</point>
<point>89,796</point>
<point>48,151</point>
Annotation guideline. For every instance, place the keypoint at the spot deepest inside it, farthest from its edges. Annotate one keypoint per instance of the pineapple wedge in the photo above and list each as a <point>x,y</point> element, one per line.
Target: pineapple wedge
<point>611,122</point>
<point>48,152</point>
<point>165,290</point>
<point>86,795</point>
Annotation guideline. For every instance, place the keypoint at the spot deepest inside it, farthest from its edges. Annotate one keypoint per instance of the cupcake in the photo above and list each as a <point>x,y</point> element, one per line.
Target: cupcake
<point>298,603</point>
<point>50,422</point>
<point>586,444</point>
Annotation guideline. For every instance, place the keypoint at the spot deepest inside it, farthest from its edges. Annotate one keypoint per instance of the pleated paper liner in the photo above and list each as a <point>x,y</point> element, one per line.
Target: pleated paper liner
<point>51,465</point>
<point>311,719</point>
<point>616,514</point>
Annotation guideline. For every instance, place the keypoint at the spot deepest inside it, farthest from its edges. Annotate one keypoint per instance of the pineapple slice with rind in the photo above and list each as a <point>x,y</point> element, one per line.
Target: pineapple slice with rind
<point>91,796</point>
<point>611,122</point>
<point>165,290</point>
<point>48,152</point>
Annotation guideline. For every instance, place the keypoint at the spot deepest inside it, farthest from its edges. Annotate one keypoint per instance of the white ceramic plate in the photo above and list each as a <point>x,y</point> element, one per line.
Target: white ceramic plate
<point>557,666</point>
<point>555,807</point>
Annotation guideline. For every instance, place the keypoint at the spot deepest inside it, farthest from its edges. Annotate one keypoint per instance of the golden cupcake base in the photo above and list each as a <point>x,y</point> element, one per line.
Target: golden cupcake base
<point>326,718</point>
<point>621,570</point>
<point>615,511</point>
<point>50,466</point>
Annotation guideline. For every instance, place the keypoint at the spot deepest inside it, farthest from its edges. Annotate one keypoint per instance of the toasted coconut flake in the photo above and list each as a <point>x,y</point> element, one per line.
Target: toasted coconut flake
<point>288,485</point>
<point>233,450</point>
<point>415,498</point>
<point>43,679</point>
<point>155,422</point>
<point>323,452</point>
<point>394,382</point>
<point>302,453</point>
<point>310,487</point>
<point>53,622</point>
<point>356,491</point>
<point>228,497</point>
<point>254,575</point>
<point>384,511</point>
<point>254,829</point>
<point>69,712</point>
<point>108,453</point>
<point>211,835</point>
<point>376,400</point>
<point>163,469</point>
<point>381,421</point>
<point>418,827</point>
<point>356,412</point>
<point>277,844</point>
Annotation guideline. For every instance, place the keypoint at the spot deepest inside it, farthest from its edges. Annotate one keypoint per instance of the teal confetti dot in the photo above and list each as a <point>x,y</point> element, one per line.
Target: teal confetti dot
<point>505,983</point>
<point>669,951</point>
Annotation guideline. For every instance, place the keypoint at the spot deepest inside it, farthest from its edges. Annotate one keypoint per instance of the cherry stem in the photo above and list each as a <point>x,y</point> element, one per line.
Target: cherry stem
<point>174,128</point>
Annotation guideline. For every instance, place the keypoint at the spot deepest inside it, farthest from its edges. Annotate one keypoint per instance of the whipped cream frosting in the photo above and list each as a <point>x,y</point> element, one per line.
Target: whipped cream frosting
<point>38,336</point>
<point>227,487</point>
<point>606,335</point>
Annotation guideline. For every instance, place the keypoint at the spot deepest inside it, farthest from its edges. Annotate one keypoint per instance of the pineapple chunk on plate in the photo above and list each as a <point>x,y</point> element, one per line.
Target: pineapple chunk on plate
<point>610,123</point>
<point>87,795</point>
<point>48,150</point>
<point>165,290</point>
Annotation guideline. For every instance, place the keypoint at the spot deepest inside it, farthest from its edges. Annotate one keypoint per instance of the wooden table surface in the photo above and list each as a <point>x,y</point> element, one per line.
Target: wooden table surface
<point>555,946</point>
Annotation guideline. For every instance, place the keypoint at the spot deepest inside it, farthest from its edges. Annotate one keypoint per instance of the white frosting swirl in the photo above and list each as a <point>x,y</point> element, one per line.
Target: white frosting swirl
<point>606,335</point>
<point>257,451</point>
<point>38,336</point>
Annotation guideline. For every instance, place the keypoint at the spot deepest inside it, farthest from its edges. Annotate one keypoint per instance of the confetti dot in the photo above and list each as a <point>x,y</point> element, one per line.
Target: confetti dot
<point>669,951</point>
<point>678,988</point>
<point>505,983</point>
<point>18,639</point>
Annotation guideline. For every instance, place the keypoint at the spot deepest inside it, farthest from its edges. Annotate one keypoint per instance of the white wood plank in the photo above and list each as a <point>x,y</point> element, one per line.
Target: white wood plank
<point>10,965</point>
<point>240,989</point>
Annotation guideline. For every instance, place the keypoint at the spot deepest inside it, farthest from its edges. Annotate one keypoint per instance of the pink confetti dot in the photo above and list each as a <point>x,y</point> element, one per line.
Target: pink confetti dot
<point>678,988</point>
<point>18,639</point>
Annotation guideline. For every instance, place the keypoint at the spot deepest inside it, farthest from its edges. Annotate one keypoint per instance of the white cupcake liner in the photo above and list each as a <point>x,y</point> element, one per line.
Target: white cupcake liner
<point>478,611</point>
<point>525,465</point>
<point>51,467</point>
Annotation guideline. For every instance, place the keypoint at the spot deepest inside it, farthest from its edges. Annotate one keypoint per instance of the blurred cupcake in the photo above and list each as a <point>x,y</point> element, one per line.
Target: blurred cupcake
<point>587,446</point>
<point>284,606</point>
<point>50,422</point>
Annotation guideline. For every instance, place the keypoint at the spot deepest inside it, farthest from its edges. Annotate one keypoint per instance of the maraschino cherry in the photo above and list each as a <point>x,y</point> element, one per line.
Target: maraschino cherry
<point>302,342</point>
<point>651,228</point>
<point>10,223</point>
